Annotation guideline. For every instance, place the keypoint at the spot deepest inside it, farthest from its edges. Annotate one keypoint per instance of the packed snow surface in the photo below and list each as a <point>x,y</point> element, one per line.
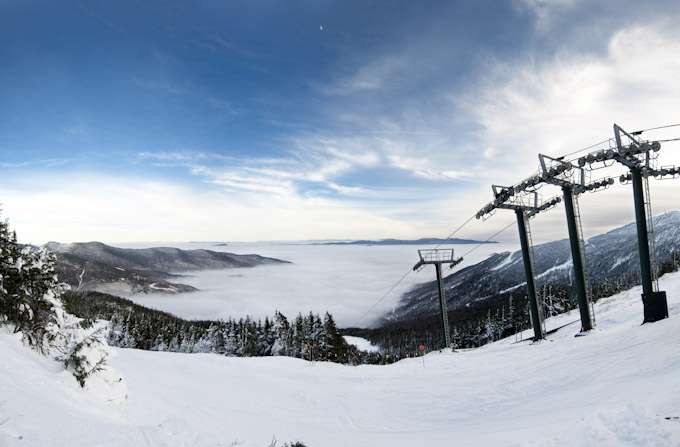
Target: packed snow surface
<point>617,386</point>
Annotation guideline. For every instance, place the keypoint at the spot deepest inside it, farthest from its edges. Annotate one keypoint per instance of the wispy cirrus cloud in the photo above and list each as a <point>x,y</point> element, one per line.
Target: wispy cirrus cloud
<point>346,166</point>
<point>545,10</point>
<point>374,75</point>
<point>51,163</point>
<point>570,101</point>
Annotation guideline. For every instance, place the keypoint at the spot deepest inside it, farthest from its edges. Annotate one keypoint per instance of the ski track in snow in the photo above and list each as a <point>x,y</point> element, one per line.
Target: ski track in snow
<point>614,386</point>
<point>507,261</point>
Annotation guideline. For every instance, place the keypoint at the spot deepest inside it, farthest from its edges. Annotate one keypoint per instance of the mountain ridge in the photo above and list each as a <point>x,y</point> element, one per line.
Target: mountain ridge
<point>127,271</point>
<point>421,241</point>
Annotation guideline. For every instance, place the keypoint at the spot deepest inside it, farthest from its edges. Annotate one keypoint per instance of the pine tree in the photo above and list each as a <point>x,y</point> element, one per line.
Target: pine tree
<point>282,335</point>
<point>29,292</point>
<point>30,302</point>
<point>334,344</point>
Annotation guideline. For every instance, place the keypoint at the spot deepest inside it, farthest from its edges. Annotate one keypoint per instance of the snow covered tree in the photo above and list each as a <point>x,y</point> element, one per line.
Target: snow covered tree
<point>334,345</point>
<point>282,335</point>
<point>30,303</point>
<point>29,291</point>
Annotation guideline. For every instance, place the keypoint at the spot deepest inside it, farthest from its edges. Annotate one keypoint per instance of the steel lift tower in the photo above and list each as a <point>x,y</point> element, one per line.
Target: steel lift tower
<point>572,180</point>
<point>437,257</point>
<point>526,204</point>
<point>638,157</point>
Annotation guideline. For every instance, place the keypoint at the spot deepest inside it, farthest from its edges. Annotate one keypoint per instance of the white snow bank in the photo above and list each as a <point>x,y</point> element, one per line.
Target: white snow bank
<point>633,425</point>
<point>361,343</point>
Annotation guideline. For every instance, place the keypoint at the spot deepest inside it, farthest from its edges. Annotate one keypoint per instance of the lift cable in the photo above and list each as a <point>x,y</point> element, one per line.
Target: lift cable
<point>637,132</point>
<point>455,231</point>
<point>410,270</point>
<point>586,148</point>
<point>493,236</point>
<point>655,128</point>
<point>382,298</point>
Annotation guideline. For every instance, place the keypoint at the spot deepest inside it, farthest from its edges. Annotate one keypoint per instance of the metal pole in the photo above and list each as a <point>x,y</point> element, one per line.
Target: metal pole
<point>655,304</point>
<point>529,273</point>
<point>577,257</point>
<point>442,307</point>
<point>641,221</point>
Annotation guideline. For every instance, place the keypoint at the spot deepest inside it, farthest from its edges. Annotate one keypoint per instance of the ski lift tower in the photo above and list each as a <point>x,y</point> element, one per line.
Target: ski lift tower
<point>526,203</point>
<point>437,257</point>
<point>639,157</point>
<point>572,180</point>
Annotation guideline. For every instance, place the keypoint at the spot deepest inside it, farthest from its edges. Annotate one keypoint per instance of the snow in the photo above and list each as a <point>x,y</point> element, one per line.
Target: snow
<point>155,286</point>
<point>361,343</point>
<point>551,270</point>
<point>615,386</point>
<point>507,261</point>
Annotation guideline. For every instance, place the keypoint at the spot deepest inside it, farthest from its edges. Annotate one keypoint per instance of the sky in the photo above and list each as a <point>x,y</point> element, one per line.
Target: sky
<point>244,121</point>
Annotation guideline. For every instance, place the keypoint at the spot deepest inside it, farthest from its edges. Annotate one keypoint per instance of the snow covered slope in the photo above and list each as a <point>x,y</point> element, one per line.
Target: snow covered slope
<point>616,386</point>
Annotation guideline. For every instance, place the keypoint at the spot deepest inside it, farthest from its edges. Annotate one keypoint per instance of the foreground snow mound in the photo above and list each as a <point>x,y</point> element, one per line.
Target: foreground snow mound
<point>633,425</point>
<point>81,347</point>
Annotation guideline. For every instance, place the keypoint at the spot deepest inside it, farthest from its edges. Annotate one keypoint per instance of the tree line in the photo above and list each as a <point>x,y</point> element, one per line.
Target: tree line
<point>310,336</point>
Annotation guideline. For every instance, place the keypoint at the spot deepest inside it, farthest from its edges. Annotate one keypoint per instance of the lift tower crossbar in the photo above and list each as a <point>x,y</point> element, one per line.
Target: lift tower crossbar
<point>437,257</point>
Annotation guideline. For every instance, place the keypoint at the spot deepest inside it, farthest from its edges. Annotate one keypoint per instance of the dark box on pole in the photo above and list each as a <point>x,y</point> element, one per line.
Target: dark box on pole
<point>655,306</point>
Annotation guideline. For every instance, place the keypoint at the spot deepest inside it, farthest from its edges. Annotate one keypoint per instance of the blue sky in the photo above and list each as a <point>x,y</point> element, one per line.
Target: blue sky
<point>269,120</point>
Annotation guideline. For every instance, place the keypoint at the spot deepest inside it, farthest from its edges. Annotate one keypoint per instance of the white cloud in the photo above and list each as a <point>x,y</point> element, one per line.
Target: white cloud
<point>422,167</point>
<point>545,10</point>
<point>51,162</point>
<point>570,101</point>
<point>374,75</point>
<point>119,209</point>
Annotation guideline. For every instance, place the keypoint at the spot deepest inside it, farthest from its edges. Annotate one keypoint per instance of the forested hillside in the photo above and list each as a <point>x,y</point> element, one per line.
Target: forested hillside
<point>134,326</point>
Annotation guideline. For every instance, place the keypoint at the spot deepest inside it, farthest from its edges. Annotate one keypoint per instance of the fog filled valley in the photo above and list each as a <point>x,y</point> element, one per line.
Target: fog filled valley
<point>343,280</point>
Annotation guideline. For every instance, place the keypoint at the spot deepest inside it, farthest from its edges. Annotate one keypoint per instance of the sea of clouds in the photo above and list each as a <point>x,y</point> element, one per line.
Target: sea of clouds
<point>345,280</point>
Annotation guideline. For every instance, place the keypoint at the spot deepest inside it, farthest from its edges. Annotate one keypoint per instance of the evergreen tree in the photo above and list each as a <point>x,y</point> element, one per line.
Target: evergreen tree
<point>29,291</point>
<point>30,302</point>
<point>335,346</point>
<point>282,335</point>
